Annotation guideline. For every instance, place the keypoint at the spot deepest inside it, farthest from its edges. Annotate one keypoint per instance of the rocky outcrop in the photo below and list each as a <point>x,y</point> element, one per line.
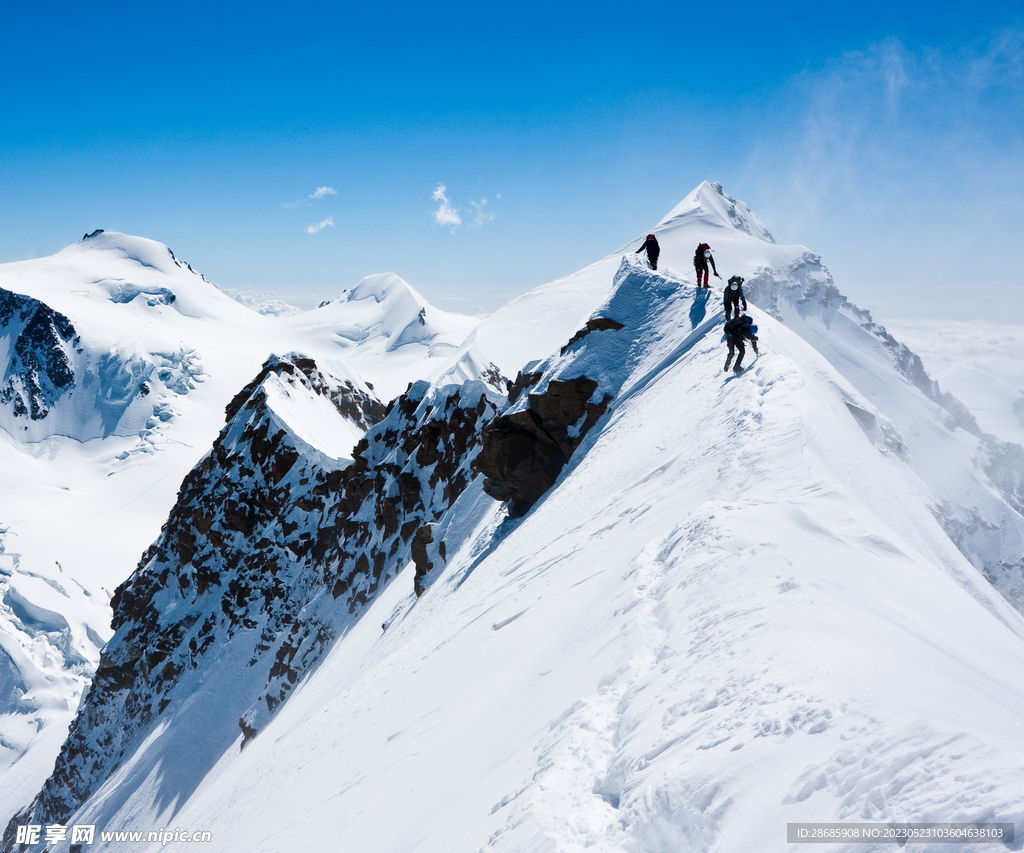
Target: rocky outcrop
<point>42,345</point>
<point>597,324</point>
<point>524,452</point>
<point>271,551</point>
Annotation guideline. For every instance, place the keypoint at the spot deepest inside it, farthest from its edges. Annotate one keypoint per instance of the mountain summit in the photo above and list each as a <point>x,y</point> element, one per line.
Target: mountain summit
<point>710,205</point>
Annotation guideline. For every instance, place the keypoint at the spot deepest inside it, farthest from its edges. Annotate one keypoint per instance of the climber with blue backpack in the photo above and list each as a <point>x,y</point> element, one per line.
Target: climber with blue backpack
<point>737,330</point>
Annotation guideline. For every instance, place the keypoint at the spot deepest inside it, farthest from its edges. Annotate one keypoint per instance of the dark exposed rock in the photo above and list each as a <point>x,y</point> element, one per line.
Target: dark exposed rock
<point>424,537</point>
<point>524,451</point>
<point>596,324</point>
<point>39,371</point>
<point>492,376</point>
<point>522,382</point>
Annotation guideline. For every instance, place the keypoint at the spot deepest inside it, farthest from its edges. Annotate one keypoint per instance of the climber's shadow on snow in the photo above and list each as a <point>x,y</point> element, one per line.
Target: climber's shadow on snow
<point>732,375</point>
<point>699,308</point>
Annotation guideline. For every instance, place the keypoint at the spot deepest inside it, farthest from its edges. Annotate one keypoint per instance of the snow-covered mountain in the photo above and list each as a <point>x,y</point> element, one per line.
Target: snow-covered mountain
<point>118,363</point>
<point>638,604</point>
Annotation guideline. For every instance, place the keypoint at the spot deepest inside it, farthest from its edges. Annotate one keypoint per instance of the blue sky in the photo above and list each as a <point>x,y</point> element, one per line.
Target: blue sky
<point>884,136</point>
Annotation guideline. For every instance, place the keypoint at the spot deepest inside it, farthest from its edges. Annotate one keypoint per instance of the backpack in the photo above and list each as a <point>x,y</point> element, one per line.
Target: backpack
<point>740,327</point>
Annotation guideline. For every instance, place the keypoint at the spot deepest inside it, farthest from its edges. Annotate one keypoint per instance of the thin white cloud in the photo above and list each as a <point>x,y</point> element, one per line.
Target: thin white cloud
<point>316,195</point>
<point>481,214</point>
<point>320,226</point>
<point>445,213</point>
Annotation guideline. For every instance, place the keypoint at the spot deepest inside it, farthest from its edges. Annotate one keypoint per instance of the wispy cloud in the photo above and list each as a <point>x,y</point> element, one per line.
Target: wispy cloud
<point>320,226</point>
<point>445,213</point>
<point>891,159</point>
<point>481,214</point>
<point>316,195</point>
<point>477,215</point>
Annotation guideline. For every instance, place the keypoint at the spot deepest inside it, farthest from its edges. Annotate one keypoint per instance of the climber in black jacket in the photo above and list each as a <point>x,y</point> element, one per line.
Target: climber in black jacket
<point>737,330</point>
<point>734,296</point>
<point>653,250</point>
<point>701,258</point>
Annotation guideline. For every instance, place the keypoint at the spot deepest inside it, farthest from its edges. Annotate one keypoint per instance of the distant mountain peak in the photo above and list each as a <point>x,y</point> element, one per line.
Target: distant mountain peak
<point>142,250</point>
<point>709,202</point>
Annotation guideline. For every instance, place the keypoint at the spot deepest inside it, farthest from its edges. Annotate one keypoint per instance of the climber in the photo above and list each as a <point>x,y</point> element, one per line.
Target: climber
<point>653,250</point>
<point>734,296</point>
<point>700,264</point>
<point>736,331</point>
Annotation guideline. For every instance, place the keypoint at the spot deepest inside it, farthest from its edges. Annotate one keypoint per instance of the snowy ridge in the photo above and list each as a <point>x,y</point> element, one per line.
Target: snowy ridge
<point>715,622</point>
<point>977,480</point>
<point>710,204</point>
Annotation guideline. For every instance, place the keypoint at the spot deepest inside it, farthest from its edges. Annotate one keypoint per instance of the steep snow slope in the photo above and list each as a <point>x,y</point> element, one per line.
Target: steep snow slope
<point>117,363</point>
<point>977,479</point>
<point>734,609</point>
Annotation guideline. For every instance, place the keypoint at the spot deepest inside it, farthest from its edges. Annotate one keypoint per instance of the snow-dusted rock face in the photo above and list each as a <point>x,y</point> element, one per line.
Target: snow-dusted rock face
<point>273,549</point>
<point>117,360</point>
<point>524,450</point>
<point>40,346</point>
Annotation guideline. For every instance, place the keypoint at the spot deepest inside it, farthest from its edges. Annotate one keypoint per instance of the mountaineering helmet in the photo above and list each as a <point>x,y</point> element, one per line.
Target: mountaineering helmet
<point>650,236</point>
<point>707,253</point>
<point>735,285</point>
<point>753,330</point>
